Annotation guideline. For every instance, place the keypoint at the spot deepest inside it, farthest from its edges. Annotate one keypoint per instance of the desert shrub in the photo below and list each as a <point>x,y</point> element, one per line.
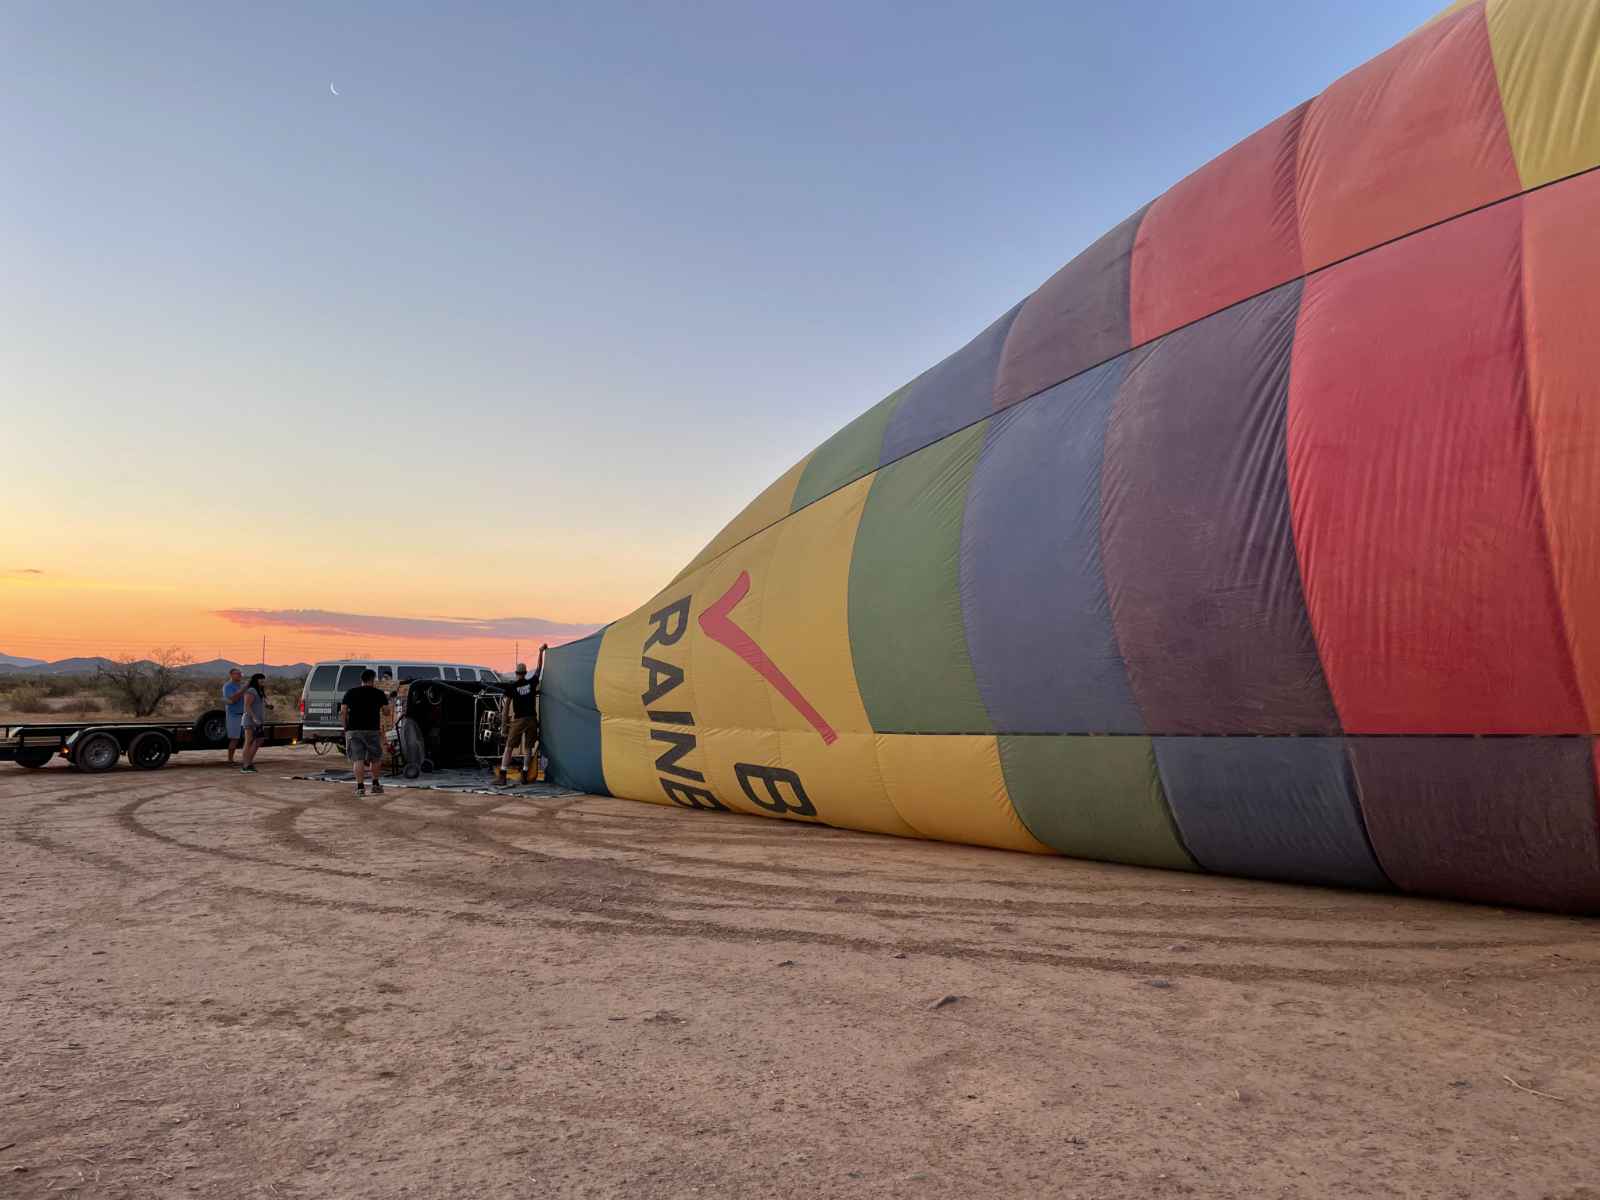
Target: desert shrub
<point>60,687</point>
<point>83,705</point>
<point>142,687</point>
<point>285,696</point>
<point>28,696</point>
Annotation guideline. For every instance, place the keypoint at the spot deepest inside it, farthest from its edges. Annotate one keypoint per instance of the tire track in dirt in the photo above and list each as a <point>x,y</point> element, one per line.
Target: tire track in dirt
<point>656,925</point>
<point>905,907</point>
<point>127,817</point>
<point>280,823</point>
<point>376,813</point>
<point>280,827</point>
<point>26,829</point>
<point>625,896</point>
<point>891,905</point>
<point>620,914</point>
<point>26,832</point>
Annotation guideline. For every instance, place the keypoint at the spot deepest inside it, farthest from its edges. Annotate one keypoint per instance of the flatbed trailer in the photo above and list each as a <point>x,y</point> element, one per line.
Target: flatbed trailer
<point>148,745</point>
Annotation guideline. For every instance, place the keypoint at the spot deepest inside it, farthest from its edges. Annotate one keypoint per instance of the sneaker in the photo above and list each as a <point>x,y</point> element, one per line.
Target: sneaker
<point>361,789</point>
<point>499,777</point>
<point>525,780</point>
<point>377,788</point>
<point>247,771</point>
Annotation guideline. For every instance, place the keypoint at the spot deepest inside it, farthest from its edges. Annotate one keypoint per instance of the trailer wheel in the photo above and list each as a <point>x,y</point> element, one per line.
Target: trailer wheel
<point>411,770</point>
<point>34,759</point>
<point>96,752</point>
<point>150,750</point>
<point>212,728</point>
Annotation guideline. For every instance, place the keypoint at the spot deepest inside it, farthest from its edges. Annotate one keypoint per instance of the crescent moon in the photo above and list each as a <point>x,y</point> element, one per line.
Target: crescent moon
<point>333,89</point>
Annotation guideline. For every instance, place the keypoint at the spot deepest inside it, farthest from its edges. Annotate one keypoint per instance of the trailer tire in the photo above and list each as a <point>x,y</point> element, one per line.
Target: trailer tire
<point>411,770</point>
<point>96,752</point>
<point>150,750</point>
<point>211,729</point>
<point>34,759</point>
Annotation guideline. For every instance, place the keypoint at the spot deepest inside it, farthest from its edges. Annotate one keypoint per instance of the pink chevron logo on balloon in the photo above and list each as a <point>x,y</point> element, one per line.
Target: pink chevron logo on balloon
<point>718,623</point>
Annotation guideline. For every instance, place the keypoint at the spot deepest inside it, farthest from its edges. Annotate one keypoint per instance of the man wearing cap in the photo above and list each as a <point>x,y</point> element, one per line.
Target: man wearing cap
<point>522,723</point>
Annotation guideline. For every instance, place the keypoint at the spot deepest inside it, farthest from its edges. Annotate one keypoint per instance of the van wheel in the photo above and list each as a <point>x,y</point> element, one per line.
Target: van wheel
<point>150,750</point>
<point>96,752</point>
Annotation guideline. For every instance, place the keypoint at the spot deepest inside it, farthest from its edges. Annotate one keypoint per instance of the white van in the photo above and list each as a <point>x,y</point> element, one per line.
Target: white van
<point>328,681</point>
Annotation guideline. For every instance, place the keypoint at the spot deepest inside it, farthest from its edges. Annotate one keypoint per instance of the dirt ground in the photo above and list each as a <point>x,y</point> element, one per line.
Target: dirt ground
<point>228,986</point>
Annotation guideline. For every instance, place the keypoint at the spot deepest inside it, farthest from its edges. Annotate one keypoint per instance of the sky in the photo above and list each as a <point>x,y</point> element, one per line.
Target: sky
<point>482,349</point>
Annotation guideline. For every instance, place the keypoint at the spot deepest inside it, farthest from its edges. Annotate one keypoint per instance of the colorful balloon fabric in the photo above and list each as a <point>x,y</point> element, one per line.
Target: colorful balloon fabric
<point>1262,539</point>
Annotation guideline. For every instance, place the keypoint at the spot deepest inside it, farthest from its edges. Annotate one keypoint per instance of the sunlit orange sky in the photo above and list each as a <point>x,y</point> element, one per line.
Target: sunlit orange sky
<point>484,347</point>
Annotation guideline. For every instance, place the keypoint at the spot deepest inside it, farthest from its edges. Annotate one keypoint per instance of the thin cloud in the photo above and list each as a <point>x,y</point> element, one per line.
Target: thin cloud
<point>20,572</point>
<point>318,620</point>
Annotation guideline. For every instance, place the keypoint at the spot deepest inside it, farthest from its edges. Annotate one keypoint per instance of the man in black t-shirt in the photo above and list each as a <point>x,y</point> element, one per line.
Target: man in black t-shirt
<point>522,722</point>
<point>362,711</point>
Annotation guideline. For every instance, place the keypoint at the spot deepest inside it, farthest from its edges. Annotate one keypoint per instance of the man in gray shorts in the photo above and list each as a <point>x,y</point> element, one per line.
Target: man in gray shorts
<point>362,711</point>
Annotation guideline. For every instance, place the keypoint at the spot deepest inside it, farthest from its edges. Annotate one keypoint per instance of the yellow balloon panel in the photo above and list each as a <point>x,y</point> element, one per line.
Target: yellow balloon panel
<point>770,507</point>
<point>844,781</point>
<point>728,600</point>
<point>736,685</point>
<point>627,760</point>
<point>805,617</point>
<point>1547,57</point>
<point>951,787</point>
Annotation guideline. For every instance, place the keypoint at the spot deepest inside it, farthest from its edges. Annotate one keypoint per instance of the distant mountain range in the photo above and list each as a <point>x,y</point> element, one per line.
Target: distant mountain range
<point>215,669</point>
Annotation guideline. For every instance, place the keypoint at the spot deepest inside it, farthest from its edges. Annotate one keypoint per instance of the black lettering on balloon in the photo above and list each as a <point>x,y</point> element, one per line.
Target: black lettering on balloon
<point>692,797</point>
<point>671,718</point>
<point>774,777</point>
<point>679,744</point>
<point>663,678</point>
<point>677,611</point>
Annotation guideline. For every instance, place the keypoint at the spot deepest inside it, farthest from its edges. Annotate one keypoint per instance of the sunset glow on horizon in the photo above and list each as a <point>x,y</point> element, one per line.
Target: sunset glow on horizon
<point>42,615</point>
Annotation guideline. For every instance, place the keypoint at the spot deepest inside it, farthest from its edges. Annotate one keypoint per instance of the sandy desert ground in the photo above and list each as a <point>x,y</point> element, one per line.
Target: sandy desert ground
<point>217,985</point>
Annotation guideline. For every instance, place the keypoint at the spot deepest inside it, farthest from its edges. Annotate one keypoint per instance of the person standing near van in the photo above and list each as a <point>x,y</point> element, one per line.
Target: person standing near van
<point>254,722</point>
<point>233,708</point>
<point>522,722</point>
<point>361,712</point>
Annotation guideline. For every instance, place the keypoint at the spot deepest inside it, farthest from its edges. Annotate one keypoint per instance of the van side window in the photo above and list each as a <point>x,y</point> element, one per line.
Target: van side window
<point>385,674</point>
<point>416,672</point>
<point>349,677</point>
<point>322,679</point>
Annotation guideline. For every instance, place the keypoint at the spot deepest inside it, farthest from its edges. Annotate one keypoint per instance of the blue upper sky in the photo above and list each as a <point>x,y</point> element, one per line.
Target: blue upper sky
<point>657,250</point>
